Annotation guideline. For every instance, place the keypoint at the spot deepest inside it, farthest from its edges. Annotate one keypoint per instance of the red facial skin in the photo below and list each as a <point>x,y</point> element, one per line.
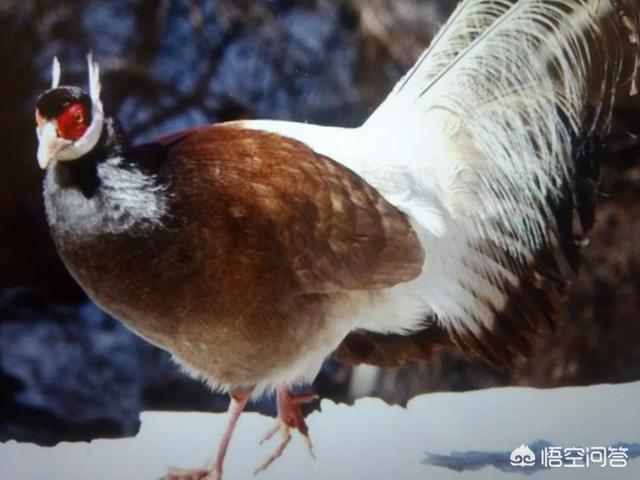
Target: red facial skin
<point>72,123</point>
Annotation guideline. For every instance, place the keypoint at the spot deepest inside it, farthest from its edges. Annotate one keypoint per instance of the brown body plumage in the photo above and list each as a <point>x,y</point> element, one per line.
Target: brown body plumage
<point>254,250</point>
<point>259,236</point>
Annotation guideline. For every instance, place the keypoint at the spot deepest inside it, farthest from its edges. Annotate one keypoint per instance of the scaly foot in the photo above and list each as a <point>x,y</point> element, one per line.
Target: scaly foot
<point>289,416</point>
<point>236,406</point>
<point>186,474</point>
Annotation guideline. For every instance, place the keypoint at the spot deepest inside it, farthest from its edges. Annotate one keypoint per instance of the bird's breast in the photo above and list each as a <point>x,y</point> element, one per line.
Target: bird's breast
<point>212,295</point>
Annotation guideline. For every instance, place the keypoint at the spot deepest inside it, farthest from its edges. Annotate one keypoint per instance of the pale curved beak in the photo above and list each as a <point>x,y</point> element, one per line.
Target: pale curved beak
<point>48,142</point>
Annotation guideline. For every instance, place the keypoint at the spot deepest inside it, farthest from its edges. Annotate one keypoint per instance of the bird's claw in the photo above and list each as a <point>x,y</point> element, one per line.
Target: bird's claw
<point>188,474</point>
<point>286,438</point>
<point>272,431</point>
<point>289,416</point>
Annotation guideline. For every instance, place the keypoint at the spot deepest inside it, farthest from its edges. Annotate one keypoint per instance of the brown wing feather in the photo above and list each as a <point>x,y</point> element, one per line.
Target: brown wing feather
<point>391,350</point>
<point>327,226</point>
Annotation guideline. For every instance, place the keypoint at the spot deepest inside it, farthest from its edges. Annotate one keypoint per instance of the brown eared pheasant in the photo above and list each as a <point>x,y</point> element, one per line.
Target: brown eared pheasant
<point>253,250</point>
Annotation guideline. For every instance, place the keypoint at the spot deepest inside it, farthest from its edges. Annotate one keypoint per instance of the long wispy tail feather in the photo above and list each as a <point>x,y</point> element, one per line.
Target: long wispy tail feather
<point>502,116</point>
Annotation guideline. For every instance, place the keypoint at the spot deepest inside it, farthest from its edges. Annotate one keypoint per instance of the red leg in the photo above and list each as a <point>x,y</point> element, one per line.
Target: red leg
<point>238,402</point>
<point>289,416</point>
<point>236,406</point>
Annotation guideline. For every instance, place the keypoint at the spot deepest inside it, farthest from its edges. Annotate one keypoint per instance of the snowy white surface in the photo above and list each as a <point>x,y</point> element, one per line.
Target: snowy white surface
<point>370,440</point>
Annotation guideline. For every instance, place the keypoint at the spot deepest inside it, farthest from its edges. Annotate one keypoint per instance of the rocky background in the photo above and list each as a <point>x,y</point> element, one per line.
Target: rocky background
<point>68,371</point>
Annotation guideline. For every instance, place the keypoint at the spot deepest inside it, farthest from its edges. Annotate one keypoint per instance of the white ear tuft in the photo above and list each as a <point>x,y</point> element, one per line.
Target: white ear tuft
<point>55,73</point>
<point>94,82</point>
<point>88,141</point>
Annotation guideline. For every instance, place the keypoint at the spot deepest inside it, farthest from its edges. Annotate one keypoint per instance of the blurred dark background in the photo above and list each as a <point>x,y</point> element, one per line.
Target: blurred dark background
<point>68,371</point>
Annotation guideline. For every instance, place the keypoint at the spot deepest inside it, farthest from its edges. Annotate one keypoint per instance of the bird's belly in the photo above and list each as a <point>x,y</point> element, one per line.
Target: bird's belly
<point>234,333</point>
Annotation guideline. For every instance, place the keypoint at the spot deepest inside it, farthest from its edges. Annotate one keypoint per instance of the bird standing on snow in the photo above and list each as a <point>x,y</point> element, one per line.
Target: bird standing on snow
<point>253,250</point>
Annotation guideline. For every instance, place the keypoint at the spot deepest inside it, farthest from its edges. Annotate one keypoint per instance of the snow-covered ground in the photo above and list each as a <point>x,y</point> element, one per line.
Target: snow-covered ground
<point>438,436</point>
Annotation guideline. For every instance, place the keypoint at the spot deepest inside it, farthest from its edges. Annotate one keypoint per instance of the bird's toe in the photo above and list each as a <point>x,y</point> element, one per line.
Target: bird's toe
<point>189,474</point>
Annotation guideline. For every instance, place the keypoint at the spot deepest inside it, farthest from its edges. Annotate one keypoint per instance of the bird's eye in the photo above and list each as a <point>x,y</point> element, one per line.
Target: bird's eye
<point>71,122</point>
